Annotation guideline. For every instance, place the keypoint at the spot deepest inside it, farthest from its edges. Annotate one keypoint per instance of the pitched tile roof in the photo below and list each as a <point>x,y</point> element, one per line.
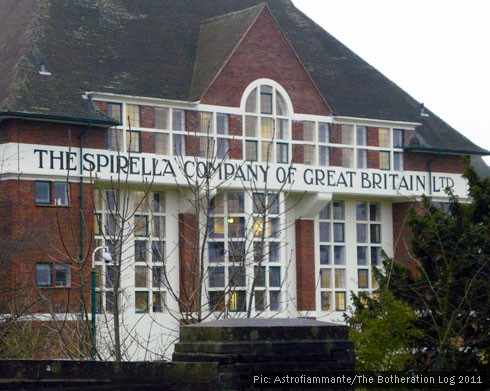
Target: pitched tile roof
<point>172,49</point>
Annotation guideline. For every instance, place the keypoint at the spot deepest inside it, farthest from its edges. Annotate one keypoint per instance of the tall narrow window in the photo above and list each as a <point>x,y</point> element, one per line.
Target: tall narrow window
<point>61,192</point>
<point>43,192</point>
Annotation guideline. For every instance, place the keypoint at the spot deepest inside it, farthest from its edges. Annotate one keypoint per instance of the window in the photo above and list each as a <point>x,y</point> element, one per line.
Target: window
<point>178,122</point>
<point>222,123</point>
<point>61,193</point>
<point>162,143</point>
<point>62,275</point>
<point>384,137</point>
<point>266,126</point>
<point>142,304</point>
<point>384,160</point>
<point>361,158</point>
<point>114,139</point>
<point>398,138</point>
<point>133,141</point>
<point>133,116</point>
<point>43,192</point>
<point>114,111</point>
<point>179,145</point>
<point>161,118</point>
<point>43,274</point>
<point>398,161</point>
<point>361,135</point>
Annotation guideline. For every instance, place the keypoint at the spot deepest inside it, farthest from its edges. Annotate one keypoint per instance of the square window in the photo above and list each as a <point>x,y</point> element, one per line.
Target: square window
<point>282,153</point>
<point>259,273</point>
<point>323,131</point>
<point>259,300</point>
<point>216,300</point>
<point>398,138</point>
<point>325,301</point>
<point>274,276</point>
<point>216,251</point>
<point>361,233</point>
<point>43,274</point>
<point>236,251</point>
<point>157,251</point>
<point>238,301</point>
<point>362,255</point>
<point>325,278</point>
<point>222,123</point>
<point>251,150</point>
<point>324,232</point>
<point>178,119</point>
<point>236,276</point>
<point>141,304</point>
<point>340,304</point>
<point>61,193</point>
<point>158,277</point>
<point>140,225</point>
<point>384,160</point>
<point>274,297</point>
<point>361,135</point>
<point>236,227</point>
<point>114,111</point>
<point>43,192</point>
<point>140,276</point>
<point>339,255</point>
<point>216,226</point>
<point>161,118</point>
<point>308,131</point>
<point>361,158</point>
<point>133,141</point>
<point>375,233</point>
<point>236,202</point>
<point>363,278</point>
<point>62,275</point>
<point>133,116</point>
<point>216,276</point>
<point>324,255</point>
<point>162,143</point>
<point>398,161</point>
<point>338,232</point>
<point>338,210</point>
<point>158,301</point>
<point>179,145</point>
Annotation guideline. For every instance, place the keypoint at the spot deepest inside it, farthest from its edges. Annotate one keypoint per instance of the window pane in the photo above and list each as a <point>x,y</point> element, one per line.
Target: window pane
<point>61,193</point>
<point>384,160</point>
<point>282,129</point>
<point>340,281</point>
<point>222,123</point>
<point>340,304</point>
<point>179,145</point>
<point>361,233</point>
<point>281,108</point>
<point>347,134</point>
<point>141,304</point>
<point>282,153</point>
<point>43,194</point>
<point>259,300</point>
<point>362,255</point>
<point>375,255</point>
<point>133,116</point>
<point>162,143</point>
<point>325,278</point>
<point>110,302</point>
<point>140,225</point>
<point>265,102</point>
<point>251,152</point>
<point>223,148</point>
<point>338,210</point>
<point>236,276</point>
<point>206,122</point>
<point>216,227</point>
<point>43,274</point>
<point>157,251</point>
<point>339,255</point>
<point>216,251</point>
<point>361,158</point>
<point>266,128</point>
<point>110,276</point>
<point>338,232</point>
<point>397,138</point>
<point>275,276</point>
<point>140,276</point>
<point>362,278</point>
<point>308,131</point>
<point>251,104</point>
<point>309,154</point>
<point>158,277</point>
<point>236,251</point>
<point>323,130</point>
<point>158,202</point>
<point>259,273</point>
<point>236,202</point>
<point>158,301</point>
<point>375,233</point>
<point>374,212</point>
<point>133,141</point>
<point>274,297</point>
<point>238,301</point>
<point>251,126</point>
<point>347,157</point>
<point>161,118</point>
<point>62,276</point>
<point>361,135</point>
<point>158,226</point>
<point>216,276</point>
<point>324,255</point>
<point>216,300</point>
<point>384,137</point>
<point>361,211</point>
<point>324,232</point>
<point>114,111</point>
<point>324,157</point>
<point>114,139</point>
<point>273,252</point>
<point>325,212</point>
<point>398,161</point>
<point>325,301</point>
<point>236,227</point>
<point>178,119</point>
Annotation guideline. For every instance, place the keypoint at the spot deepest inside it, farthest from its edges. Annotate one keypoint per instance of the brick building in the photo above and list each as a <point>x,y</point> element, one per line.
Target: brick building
<point>232,157</point>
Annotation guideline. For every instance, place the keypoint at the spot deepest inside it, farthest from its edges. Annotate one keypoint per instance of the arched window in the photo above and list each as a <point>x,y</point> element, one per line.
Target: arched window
<point>267,127</point>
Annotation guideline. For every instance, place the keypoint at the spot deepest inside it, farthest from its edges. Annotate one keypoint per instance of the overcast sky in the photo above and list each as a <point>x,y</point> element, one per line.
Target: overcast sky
<point>436,50</point>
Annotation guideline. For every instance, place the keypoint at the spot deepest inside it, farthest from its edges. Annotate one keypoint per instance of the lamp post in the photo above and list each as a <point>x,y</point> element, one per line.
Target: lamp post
<point>107,258</point>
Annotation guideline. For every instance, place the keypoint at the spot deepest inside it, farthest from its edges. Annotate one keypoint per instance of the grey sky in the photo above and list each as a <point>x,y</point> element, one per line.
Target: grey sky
<point>436,50</point>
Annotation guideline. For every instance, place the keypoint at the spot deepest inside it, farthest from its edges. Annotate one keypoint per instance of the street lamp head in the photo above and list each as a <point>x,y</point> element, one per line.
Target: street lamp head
<point>107,257</point>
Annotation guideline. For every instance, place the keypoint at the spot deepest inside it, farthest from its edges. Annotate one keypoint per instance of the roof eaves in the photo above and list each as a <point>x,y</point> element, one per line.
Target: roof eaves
<point>483,152</point>
<point>55,118</point>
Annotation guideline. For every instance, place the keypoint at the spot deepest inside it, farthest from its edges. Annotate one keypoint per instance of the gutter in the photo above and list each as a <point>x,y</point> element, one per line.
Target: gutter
<point>447,151</point>
<point>55,118</point>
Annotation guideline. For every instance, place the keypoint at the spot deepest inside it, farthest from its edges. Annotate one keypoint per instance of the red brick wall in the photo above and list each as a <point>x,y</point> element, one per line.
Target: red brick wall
<point>415,161</point>
<point>372,136</point>
<point>372,159</point>
<point>305,264</point>
<point>235,125</point>
<point>265,53</point>
<point>336,133</point>
<point>47,234</point>
<point>147,117</point>
<point>51,133</point>
<point>189,266</point>
<point>298,154</point>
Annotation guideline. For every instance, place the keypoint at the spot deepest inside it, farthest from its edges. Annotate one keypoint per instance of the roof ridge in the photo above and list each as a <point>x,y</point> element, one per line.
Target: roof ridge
<point>242,11</point>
